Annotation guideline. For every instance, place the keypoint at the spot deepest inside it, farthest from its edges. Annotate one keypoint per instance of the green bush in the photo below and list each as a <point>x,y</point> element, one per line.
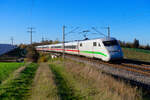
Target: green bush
<point>44,57</point>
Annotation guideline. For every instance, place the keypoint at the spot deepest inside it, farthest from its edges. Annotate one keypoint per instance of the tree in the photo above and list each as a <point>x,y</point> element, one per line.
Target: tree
<point>22,46</point>
<point>32,54</point>
<point>147,47</point>
<point>136,43</point>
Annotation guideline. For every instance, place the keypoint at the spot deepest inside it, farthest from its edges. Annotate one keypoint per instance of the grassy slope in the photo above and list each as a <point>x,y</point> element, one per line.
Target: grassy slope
<point>81,81</point>
<point>98,86</point>
<point>65,83</point>
<point>136,54</point>
<point>7,68</point>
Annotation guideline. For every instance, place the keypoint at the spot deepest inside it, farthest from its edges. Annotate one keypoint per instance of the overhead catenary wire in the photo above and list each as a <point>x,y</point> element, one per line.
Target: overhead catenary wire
<point>64,36</point>
<point>98,31</point>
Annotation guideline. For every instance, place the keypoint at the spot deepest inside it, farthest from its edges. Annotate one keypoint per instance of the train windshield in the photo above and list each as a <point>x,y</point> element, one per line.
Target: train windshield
<point>110,43</point>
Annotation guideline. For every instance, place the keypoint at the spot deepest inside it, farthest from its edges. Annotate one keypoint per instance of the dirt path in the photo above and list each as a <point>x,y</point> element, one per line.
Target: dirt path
<point>44,87</point>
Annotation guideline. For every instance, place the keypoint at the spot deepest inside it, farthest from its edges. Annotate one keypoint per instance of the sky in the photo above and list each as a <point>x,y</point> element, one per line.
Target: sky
<point>127,19</point>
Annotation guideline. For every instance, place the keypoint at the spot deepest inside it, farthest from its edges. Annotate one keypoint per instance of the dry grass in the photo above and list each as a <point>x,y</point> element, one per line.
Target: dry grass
<point>96,86</point>
<point>67,87</point>
<point>44,87</point>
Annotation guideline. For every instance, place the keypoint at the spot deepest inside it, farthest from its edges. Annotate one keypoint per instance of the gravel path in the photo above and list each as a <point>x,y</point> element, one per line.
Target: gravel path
<point>44,87</point>
<point>138,78</point>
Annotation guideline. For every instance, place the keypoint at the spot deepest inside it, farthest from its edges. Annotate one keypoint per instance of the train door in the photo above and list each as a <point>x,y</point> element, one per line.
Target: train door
<point>85,48</point>
<point>89,49</point>
<point>97,49</point>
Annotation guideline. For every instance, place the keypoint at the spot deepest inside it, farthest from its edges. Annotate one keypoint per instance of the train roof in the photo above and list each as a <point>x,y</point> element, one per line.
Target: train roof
<point>76,41</point>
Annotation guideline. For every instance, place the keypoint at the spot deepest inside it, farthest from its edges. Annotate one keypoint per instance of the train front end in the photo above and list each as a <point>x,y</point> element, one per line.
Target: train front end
<point>113,49</point>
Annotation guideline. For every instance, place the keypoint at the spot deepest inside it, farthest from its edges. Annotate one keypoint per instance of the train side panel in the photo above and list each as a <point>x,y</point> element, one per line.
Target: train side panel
<point>86,49</point>
<point>99,51</point>
<point>72,48</point>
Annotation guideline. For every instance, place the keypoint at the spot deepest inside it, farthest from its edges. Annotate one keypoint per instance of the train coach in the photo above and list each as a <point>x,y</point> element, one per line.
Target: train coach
<point>106,49</point>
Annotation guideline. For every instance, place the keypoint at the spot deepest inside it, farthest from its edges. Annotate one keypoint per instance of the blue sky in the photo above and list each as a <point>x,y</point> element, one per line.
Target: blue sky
<point>128,19</point>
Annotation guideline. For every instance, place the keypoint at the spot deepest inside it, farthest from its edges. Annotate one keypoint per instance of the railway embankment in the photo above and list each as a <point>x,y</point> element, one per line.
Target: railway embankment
<point>84,82</point>
<point>135,78</point>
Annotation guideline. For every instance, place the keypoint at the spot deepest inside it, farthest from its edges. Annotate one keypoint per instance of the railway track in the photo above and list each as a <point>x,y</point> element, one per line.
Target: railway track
<point>133,68</point>
<point>135,74</point>
<point>141,69</point>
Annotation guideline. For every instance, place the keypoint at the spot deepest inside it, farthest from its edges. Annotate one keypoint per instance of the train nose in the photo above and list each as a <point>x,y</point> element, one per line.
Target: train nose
<point>116,55</point>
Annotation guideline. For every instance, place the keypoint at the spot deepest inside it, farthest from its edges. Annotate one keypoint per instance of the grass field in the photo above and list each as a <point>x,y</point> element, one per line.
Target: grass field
<point>74,81</point>
<point>137,54</point>
<point>7,68</point>
<point>19,88</point>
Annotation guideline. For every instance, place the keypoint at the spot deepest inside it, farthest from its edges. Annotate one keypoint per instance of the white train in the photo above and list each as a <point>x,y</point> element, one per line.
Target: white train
<point>106,49</point>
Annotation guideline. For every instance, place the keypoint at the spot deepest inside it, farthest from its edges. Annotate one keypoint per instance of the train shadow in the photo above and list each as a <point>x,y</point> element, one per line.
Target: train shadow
<point>131,61</point>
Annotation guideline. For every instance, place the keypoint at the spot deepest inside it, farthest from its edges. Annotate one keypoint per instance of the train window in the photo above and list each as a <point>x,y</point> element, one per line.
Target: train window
<point>71,46</point>
<point>94,44</point>
<point>99,44</point>
<point>80,44</point>
<point>110,43</point>
<point>56,47</point>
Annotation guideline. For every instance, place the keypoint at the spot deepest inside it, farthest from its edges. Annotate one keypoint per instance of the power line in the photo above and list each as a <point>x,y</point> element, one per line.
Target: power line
<point>31,31</point>
<point>42,39</point>
<point>64,35</point>
<point>12,40</point>
<point>98,31</point>
<point>64,41</point>
<point>108,31</point>
<point>85,34</point>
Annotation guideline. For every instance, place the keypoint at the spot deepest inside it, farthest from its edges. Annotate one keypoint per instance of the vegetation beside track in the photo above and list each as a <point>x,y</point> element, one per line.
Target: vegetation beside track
<point>136,54</point>
<point>7,68</point>
<point>65,83</point>
<point>89,83</point>
<point>19,88</point>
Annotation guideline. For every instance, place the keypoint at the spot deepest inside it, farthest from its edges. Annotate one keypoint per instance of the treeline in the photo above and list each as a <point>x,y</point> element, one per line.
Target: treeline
<point>31,54</point>
<point>46,42</point>
<point>134,44</point>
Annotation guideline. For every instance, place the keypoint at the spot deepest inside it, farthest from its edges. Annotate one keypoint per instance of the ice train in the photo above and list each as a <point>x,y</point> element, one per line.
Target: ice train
<point>106,49</point>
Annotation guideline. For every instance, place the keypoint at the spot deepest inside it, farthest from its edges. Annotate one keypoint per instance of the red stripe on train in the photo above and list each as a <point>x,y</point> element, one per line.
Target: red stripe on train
<point>61,50</point>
